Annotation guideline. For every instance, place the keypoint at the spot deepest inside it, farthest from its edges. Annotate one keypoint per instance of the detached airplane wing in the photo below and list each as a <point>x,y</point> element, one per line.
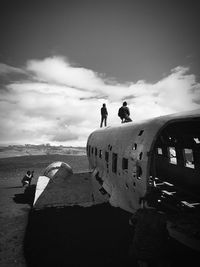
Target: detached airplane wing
<point>59,187</point>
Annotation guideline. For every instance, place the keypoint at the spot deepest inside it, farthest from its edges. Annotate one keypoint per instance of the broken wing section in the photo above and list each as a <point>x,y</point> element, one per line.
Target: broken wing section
<point>59,186</point>
<point>41,185</point>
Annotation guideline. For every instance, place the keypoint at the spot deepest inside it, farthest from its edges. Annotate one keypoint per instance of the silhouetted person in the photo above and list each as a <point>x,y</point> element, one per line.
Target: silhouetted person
<point>104,114</point>
<point>124,113</point>
<point>27,178</point>
<point>150,243</point>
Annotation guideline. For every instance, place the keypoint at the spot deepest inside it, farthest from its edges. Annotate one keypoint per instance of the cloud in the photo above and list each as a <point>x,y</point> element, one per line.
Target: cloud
<point>7,69</point>
<point>58,70</point>
<point>60,103</point>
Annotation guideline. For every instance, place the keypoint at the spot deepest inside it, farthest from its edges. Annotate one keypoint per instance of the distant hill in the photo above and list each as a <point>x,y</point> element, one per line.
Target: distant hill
<point>20,150</point>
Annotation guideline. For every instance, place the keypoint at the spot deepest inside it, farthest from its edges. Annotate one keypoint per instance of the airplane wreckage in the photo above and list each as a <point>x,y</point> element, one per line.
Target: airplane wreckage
<point>129,160</point>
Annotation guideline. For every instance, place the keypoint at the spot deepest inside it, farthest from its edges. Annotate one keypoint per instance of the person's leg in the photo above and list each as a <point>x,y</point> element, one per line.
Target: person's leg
<point>128,119</point>
<point>105,121</point>
<point>101,122</point>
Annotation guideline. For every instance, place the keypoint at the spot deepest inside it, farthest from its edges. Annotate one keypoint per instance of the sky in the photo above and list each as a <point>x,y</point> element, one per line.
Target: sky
<point>61,60</point>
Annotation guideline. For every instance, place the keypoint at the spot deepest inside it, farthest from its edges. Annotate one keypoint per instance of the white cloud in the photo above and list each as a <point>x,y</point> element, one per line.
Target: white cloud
<point>58,70</point>
<point>61,104</point>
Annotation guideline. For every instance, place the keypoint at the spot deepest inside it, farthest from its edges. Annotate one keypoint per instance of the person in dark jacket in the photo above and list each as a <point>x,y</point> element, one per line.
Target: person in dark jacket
<point>27,178</point>
<point>104,114</point>
<point>124,113</point>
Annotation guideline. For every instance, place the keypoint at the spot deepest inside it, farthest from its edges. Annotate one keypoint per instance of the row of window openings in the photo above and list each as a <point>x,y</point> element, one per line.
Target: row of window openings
<point>114,158</point>
<point>110,147</point>
<point>106,153</point>
<point>187,155</point>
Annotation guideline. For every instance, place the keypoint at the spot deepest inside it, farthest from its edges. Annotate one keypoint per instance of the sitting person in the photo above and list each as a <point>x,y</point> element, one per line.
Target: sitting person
<point>124,113</point>
<point>27,178</point>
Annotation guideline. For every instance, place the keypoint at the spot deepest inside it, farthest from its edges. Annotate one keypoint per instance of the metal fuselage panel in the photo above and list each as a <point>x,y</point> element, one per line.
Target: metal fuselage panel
<point>123,157</point>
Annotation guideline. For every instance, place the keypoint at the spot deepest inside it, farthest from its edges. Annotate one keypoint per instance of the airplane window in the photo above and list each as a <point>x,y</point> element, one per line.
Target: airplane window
<point>100,153</point>
<point>114,162</point>
<point>95,151</point>
<point>188,156</point>
<point>139,172</point>
<point>106,156</point>
<point>124,164</point>
<point>159,150</point>
<point>89,150</point>
<point>141,132</point>
<point>92,150</point>
<point>172,155</point>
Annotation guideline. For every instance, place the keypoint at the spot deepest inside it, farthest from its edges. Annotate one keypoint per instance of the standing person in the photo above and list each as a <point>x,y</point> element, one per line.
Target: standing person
<point>124,113</point>
<point>104,114</point>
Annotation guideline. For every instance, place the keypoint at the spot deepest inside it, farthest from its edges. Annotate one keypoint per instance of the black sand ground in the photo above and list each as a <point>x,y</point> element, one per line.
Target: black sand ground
<point>15,205</point>
<point>77,236</point>
<point>71,236</point>
<point>93,236</point>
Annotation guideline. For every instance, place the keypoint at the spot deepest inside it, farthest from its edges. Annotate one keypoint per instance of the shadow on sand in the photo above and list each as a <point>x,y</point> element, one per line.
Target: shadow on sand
<point>27,197</point>
<point>92,236</point>
<point>77,236</point>
<point>85,236</point>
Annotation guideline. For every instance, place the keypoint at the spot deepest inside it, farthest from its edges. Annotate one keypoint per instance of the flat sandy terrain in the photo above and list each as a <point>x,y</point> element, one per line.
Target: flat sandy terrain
<point>68,236</point>
<point>96,235</point>
<point>15,206</point>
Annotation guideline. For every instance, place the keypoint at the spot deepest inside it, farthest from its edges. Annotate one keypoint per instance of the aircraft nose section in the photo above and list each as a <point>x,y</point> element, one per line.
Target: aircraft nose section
<point>51,186</point>
<point>60,167</point>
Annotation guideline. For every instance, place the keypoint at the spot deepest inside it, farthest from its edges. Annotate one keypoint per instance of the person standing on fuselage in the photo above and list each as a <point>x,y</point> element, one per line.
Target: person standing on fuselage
<point>104,114</point>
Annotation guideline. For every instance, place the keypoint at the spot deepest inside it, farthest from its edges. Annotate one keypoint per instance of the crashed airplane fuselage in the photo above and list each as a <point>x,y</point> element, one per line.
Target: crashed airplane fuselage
<point>128,160</point>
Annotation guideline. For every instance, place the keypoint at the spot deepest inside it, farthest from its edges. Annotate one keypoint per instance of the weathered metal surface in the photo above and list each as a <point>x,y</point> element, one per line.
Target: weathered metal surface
<point>135,145</point>
<point>135,142</point>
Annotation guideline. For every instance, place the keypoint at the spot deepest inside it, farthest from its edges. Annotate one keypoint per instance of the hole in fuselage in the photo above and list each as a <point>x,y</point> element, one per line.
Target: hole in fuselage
<point>175,166</point>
